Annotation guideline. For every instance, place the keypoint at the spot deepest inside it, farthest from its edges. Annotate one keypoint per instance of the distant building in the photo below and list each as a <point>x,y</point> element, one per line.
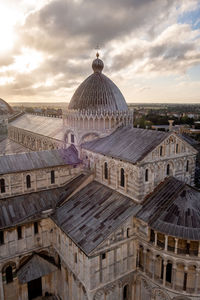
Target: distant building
<point>94,209</point>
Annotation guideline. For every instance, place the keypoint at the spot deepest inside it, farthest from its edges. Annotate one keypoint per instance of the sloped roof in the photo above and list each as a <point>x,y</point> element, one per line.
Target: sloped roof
<point>173,209</point>
<point>92,214</point>
<point>26,207</point>
<point>5,108</point>
<point>46,126</point>
<point>8,146</point>
<point>36,160</point>
<point>127,143</point>
<point>36,267</point>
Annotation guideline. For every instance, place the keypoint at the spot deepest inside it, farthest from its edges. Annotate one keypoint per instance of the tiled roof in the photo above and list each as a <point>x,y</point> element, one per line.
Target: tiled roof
<point>8,146</point>
<point>26,207</point>
<point>36,160</point>
<point>173,209</point>
<point>46,126</point>
<point>92,214</point>
<point>127,143</point>
<point>34,268</point>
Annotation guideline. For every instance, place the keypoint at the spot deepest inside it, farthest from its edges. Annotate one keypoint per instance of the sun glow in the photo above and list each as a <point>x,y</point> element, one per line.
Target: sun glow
<point>8,19</point>
<point>28,61</point>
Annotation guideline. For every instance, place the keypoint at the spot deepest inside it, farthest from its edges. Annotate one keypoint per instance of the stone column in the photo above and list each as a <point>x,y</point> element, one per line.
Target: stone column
<point>176,245</point>
<point>1,287</point>
<point>117,177</point>
<point>185,278</point>
<point>126,182</point>
<point>156,238</point>
<point>166,242</point>
<point>174,276</point>
<point>199,250</point>
<point>144,259</point>
<point>164,272</point>
<point>196,280</point>
<point>109,174</point>
<point>153,266</point>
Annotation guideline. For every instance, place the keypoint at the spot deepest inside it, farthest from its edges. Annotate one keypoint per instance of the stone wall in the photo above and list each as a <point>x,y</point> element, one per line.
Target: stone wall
<point>40,179</point>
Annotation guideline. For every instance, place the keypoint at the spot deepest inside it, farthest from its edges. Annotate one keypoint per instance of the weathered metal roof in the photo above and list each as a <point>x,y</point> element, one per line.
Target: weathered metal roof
<point>34,268</point>
<point>36,160</point>
<point>26,207</point>
<point>92,214</point>
<point>173,209</point>
<point>98,93</point>
<point>46,126</point>
<point>188,139</point>
<point>127,143</point>
<point>5,108</point>
<point>8,146</point>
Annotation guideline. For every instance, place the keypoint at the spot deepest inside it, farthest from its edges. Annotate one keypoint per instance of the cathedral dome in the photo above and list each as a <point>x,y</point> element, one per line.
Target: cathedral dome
<point>5,108</point>
<point>98,93</point>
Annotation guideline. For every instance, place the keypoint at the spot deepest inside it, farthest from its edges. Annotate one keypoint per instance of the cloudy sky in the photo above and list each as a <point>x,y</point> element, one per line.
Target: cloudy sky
<point>150,48</point>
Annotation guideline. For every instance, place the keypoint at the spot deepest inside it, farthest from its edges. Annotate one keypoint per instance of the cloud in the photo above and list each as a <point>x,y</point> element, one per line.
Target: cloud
<point>139,37</point>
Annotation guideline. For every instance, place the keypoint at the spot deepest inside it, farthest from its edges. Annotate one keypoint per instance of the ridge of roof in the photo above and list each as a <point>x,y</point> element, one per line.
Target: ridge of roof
<point>12,163</point>
<point>135,143</point>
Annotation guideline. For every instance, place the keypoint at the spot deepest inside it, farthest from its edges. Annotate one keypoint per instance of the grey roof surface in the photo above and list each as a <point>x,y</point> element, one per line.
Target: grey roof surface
<point>98,92</point>
<point>188,139</point>
<point>36,160</point>
<point>92,214</point>
<point>26,207</point>
<point>34,268</point>
<point>127,143</point>
<point>8,146</point>
<point>173,209</point>
<point>5,108</point>
<point>46,126</point>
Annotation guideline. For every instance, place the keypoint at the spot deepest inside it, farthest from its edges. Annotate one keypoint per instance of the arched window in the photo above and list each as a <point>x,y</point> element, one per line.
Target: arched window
<point>19,232</point>
<point>177,148</point>
<point>72,138</point>
<point>106,170</point>
<point>187,166</point>
<point>2,185</point>
<point>1,237</point>
<point>125,292</point>
<point>168,169</point>
<point>128,232</point>
<point>9,274</point>
<point>28,181</point>
<point>146,175</point>
<point>161,150</point>
<point>169,272</point>
<point>122,177</point>
<point>35,227</point>
<point>52,176</point>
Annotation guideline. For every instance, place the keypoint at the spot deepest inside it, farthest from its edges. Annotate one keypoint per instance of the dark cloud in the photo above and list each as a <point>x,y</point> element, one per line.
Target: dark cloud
<point>66,33</point>
<point>97,21</point>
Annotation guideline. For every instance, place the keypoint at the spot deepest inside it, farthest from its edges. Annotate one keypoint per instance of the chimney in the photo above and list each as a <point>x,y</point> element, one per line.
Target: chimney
<point>170,124</point>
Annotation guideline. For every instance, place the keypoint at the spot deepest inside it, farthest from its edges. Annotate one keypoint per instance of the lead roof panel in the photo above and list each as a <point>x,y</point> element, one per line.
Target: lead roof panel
<point>92,214</point>
<point>173,209</point>
<point>36,160</point>
<point>46,126</point>
<point>135,143</point>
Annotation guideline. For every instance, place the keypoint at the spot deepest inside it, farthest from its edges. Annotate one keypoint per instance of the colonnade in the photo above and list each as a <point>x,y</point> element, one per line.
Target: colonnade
<point>174,274</point>
<point>175,245</point>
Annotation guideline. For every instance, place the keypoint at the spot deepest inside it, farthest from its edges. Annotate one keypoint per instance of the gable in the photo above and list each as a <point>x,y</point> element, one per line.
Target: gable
<point>171,147</point>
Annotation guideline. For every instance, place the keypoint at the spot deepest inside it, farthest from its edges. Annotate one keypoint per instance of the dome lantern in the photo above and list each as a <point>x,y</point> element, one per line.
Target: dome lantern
<point>97,64</point>
<point>98,93</point>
